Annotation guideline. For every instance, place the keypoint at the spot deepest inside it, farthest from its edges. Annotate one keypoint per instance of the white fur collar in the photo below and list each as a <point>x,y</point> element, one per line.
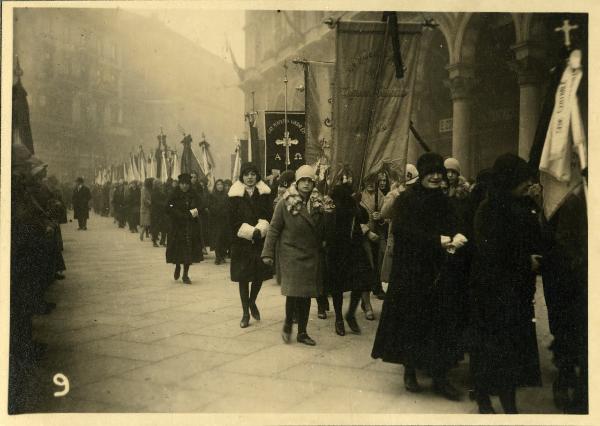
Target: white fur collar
<point>238,189</point>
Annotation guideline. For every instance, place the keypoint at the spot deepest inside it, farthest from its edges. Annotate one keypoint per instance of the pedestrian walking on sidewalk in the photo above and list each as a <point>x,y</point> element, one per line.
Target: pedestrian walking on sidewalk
<point>250,209</point>
<point>295,240</point>
<point>184,247</point>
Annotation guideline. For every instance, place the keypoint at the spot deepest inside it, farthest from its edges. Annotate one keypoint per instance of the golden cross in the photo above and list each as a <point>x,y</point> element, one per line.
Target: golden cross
<point>566,28</point>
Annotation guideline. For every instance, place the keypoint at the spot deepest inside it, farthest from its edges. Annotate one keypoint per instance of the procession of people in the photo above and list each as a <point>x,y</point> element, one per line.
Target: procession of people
<point>459,261</point>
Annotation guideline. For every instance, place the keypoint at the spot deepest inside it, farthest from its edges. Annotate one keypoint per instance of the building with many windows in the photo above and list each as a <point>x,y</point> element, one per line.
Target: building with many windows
<point>102,82</point>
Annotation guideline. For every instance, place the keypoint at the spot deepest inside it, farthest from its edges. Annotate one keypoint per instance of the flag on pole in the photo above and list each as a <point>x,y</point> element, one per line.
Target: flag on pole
<point>164,175</point>
<point>237,163</point>
<point>176,165</point>
<point>142,164</point>
<point>564,150</point>
<point>372,107</point>
<point>207,163</point>
<point>21,127</point>
<point>189,161</point>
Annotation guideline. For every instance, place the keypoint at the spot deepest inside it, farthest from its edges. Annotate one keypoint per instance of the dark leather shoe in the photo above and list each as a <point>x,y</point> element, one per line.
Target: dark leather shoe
<point>254,311</point>
<point>286,333</point>
<point>339,328</point>
<point>410,382</point>
<point>186,280</point>
<point>353,324</point>
<point>177,273</point>
<point>305,338</point>
<point>245,322</point>
<point>445,389</point>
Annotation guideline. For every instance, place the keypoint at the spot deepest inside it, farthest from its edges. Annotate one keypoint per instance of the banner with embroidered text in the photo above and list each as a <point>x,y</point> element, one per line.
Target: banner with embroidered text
<point>281,153</point>
<point>371,107</point>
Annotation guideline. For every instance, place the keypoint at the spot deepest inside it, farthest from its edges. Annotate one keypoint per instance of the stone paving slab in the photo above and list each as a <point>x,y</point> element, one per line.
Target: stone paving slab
<point>131,350</point>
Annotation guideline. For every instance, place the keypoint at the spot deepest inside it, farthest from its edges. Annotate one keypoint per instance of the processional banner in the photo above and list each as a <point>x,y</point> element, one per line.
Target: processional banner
<point>283,153</point>
<point>371,107</point>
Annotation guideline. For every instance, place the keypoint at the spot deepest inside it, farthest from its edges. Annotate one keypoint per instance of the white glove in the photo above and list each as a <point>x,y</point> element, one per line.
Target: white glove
<point>246,232</point>
<point>459,240</point>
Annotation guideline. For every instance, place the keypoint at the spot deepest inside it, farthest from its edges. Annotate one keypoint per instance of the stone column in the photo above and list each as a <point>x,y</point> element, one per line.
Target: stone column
<point>529,68</point>
<point>461,83</point>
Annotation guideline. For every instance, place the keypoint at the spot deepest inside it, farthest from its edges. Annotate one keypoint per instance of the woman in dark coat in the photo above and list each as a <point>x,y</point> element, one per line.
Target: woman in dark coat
<point>508,242</point>
<point>296,235</point>
<point>219,221</point>
<point>184,246</point>
<point>348,264</point>
<point>418,324</point>
<point>249,206</point>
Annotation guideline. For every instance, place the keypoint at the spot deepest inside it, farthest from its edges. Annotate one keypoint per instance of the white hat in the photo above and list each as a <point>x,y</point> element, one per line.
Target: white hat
<point>452,164</point>
<point>305,171</point>
<point>411,175</point>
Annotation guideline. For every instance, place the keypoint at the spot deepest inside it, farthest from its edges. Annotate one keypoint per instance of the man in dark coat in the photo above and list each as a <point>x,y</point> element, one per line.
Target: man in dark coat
<point>508,241</point>
<point>81,199</point>
<point>418,325</point>
<point>157,213</point>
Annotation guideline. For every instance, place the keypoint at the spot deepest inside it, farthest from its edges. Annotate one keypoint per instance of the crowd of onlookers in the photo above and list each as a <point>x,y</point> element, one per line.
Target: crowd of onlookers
<point>37,211</point>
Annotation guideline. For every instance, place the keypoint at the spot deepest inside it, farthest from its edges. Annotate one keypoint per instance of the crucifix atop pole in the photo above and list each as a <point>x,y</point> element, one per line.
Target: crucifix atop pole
<point>566,29</point>
<point>286,134</point>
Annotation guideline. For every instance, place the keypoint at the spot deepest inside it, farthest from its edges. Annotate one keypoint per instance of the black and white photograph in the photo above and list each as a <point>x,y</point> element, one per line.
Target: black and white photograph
<point>317,212</point>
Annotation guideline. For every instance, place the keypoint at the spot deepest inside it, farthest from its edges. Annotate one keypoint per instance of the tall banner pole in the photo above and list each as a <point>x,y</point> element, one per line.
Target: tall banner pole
<point>286,135</point>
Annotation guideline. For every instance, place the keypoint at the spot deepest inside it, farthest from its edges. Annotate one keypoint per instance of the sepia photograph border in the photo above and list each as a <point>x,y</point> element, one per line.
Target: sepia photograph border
<point>583,6</point>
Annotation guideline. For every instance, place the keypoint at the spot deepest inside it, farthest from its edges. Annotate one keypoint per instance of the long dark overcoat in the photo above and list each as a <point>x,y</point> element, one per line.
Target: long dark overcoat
<point>220,230</point>
<point>246,262</point>
<point>348,263</point>
<point>184,245</point>
<point>418,325</point>
<point>81,199</point>
<point>296,242</point>
<point>505,353</point>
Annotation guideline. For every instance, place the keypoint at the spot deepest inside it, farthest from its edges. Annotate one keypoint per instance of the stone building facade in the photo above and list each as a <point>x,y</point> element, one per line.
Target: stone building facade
<point>101,82</point>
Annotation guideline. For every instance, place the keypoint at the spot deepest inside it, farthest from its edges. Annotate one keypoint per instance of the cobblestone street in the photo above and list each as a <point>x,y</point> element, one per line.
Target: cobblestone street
<point>130,339</point>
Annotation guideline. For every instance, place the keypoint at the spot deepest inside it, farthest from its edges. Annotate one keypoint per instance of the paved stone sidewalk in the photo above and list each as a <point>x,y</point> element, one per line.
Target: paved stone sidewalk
<point>131,339</point>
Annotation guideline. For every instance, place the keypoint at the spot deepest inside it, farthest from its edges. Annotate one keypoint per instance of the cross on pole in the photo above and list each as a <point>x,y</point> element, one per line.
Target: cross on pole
<point>287,142</point>
<point>566,29</point>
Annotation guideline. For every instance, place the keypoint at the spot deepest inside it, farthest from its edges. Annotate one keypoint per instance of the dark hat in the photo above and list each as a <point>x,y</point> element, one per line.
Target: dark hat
<point>247,168</point>
<point>430,162</point>
<point>79,180</point>
<point>509,171</point>
<point>185,178</point>
<point>287,178</point>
